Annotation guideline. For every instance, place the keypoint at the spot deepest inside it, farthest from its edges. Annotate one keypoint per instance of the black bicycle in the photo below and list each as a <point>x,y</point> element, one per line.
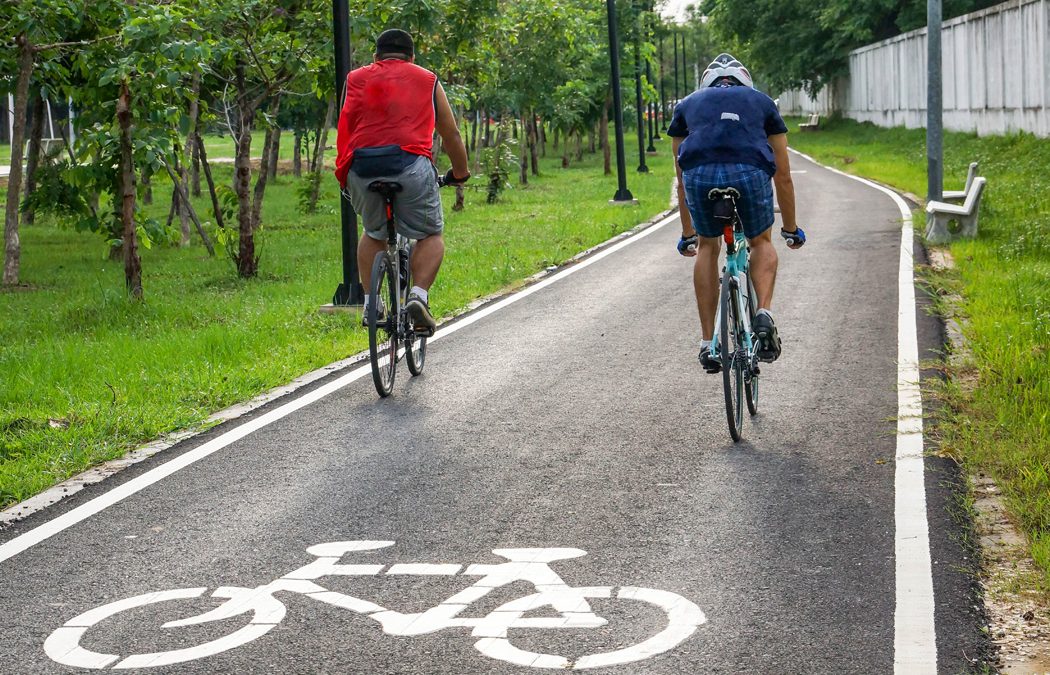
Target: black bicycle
<point>389,325</point>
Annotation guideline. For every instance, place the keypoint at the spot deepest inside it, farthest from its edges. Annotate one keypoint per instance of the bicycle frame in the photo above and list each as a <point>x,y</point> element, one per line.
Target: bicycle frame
<point>737,265</point>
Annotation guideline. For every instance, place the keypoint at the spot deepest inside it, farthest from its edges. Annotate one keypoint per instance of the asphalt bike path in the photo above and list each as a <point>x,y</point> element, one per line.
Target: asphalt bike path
<point>558,489</point>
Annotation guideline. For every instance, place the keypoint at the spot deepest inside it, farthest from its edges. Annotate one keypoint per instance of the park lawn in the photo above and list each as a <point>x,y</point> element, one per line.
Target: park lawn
<point>1001,424</point>
<point>86,374</point>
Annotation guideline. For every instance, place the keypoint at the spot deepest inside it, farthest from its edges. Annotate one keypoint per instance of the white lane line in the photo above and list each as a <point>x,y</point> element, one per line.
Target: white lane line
<point>914,638</point>
<point>121,492</point>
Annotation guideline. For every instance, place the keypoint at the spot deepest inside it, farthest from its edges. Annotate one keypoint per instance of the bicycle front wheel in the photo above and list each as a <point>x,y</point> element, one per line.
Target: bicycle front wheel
<point>751,381</point>
<point>733,353</point>
<point>382,330</point>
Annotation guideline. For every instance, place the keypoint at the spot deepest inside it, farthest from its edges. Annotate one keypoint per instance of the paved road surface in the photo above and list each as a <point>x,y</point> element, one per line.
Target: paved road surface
<point>576,418</point>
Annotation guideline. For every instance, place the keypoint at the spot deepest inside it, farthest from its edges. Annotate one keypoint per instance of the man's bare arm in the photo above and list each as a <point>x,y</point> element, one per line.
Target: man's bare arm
<point>445,122</point>
<point>782,181</point>
<point>683,209</point>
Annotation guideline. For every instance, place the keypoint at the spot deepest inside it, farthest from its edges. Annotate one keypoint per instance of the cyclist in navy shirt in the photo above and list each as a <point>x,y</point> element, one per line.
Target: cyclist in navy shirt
<point>727,134</point>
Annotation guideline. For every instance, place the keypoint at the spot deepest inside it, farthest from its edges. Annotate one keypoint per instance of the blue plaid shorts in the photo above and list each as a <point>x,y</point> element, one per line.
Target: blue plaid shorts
<point>755,205</point>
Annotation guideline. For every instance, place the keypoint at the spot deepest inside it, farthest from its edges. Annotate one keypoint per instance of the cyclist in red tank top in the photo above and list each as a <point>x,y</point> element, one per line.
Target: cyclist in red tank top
<point>386,129</point>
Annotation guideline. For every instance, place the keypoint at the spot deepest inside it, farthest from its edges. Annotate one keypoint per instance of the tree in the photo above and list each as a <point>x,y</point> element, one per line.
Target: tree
<point>798,43</point>
<point>39,29</point>
<point>262,46</point>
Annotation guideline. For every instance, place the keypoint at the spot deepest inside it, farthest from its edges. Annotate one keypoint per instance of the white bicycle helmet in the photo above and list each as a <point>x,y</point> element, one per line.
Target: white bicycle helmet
<point>723,66</point>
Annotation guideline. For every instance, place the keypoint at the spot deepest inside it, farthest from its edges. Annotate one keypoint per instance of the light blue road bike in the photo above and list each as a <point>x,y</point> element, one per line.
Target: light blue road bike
<point>733,342</point>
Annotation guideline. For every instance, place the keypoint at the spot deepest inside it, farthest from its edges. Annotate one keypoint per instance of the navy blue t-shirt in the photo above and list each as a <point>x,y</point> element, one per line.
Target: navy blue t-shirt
<point>726,125</point>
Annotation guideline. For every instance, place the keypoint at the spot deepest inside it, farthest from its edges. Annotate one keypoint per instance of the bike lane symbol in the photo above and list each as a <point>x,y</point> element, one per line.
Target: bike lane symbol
<point>570,605</point>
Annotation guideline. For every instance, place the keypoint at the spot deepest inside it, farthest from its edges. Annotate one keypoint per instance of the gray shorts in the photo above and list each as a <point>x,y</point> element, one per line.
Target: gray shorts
<point>417,208</point>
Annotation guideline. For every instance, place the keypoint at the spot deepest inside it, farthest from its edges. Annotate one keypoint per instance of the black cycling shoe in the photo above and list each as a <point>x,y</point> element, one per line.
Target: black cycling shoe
<point>768,347</point>
<point>709,363</point>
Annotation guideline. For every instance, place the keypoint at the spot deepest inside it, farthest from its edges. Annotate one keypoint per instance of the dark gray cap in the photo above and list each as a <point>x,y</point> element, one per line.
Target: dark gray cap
<point>395,41</point>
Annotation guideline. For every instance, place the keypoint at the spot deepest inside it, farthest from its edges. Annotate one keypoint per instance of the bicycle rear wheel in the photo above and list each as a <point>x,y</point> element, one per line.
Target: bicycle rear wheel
<point>415,345</point>
<point>732,355</point>
<point>382,332</point>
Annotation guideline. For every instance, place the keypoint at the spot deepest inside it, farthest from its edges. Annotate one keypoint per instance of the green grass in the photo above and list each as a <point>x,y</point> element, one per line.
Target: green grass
<point>218,145</point>
<point>85,374</point>
<point>1000,424</point>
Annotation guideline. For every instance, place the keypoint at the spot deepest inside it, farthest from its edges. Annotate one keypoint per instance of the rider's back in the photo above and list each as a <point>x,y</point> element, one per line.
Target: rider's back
<point>389,102</point>
<point>726,125</point>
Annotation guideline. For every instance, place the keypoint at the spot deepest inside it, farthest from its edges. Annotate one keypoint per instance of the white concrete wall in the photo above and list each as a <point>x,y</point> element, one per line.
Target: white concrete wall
<point>996,67</point>
<point>799,102</point>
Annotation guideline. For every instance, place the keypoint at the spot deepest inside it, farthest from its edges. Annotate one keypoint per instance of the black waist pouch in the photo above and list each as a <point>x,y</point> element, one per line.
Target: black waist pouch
<point>384,160</point>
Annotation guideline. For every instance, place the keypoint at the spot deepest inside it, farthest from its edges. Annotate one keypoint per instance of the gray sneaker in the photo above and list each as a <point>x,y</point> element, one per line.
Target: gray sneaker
<point>422,319</point>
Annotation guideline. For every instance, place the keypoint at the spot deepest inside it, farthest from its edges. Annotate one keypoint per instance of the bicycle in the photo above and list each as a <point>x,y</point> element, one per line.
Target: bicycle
<point>733,342</point>
<point>390,326</point>
<point>553,606</point>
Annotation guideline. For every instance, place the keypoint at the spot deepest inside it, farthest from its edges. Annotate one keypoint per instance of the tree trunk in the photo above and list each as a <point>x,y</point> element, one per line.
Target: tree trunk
<point>186,206</point>
<point>195,167</point>
<point>317,161</point>
<point>247,263</point>
<point>488,130</point>
<point>275,151</point>
<point>566,151</point>
<point>523,151</point>
<point>182,160</point>
<point>264,173</point>
<point>603,133</point>
<point>592,139</point>
<point>132,264</point>
<point>216,209</point>
<point>297,154</point>
<point>318,165</point>
<point>541,136</point>
<point>579,145</point>
<point>36,134</point>
<point>184,215</point>
<point>12,247</point>
<point>533,137</point>
<point>147,185</point>
<point>474,134</point>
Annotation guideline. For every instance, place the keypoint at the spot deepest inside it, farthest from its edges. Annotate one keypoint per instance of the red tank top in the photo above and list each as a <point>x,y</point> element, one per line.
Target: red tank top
<point>389,102</point>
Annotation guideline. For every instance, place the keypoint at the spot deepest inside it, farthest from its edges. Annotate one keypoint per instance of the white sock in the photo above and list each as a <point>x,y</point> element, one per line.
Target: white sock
<point>365,304</point>
<point>416,290</point>
<point>764,311</point>
<point>705,343</point>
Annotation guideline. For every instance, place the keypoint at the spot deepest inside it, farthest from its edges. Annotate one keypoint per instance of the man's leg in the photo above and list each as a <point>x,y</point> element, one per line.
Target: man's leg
<point>426,260</point>
<point>705,283</point>
<point>763,268</point>
<point>367,248</point>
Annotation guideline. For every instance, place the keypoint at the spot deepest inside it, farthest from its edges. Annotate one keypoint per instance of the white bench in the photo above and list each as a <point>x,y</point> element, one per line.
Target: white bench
<point>940,214</point>
<point>811,125</point>
<point>959,195</point>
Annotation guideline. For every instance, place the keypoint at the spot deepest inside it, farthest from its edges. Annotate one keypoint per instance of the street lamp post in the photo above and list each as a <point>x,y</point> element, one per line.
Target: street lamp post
<point>623,195</point>
<point>349,291</point>
<point>675,36</point>
<point>650,107</point>
<point>660,75</point>
<point>934,110</point>
<point>642,168</point>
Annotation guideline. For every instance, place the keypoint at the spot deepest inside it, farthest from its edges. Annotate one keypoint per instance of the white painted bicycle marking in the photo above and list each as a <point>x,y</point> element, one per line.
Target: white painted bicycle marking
<point>532,565</point>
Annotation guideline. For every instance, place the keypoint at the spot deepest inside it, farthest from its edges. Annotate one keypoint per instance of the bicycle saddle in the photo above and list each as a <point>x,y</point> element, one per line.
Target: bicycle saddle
<point>722,193</point>
<point>385,187</point>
